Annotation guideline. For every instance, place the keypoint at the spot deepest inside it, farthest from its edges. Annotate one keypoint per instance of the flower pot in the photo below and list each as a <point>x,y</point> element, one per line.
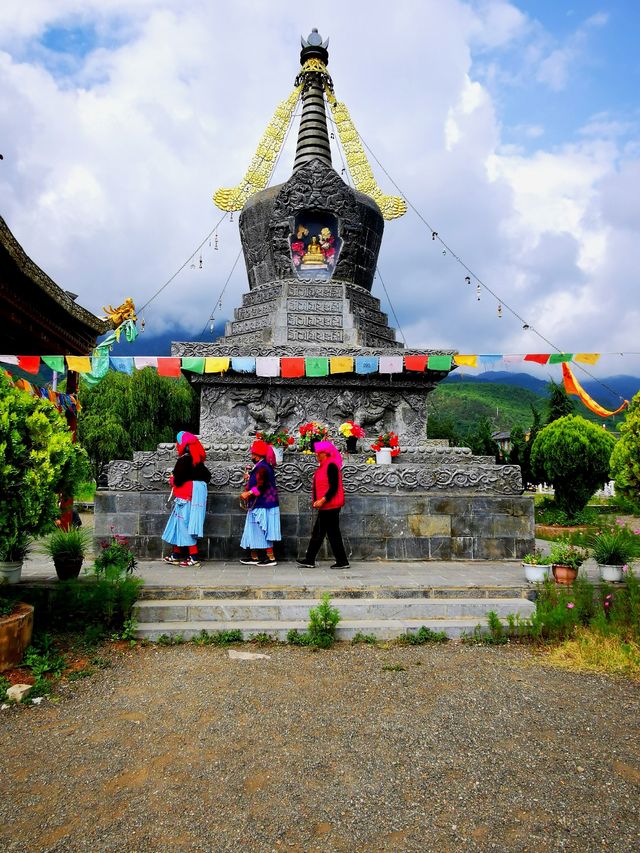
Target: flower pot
<point>612,574</point>
<point>383,456</point>
<point>68,568</point>
<point>535,573</point>
<point>15,635</point>
<point>10,572</point>
<point>278,452</point>
<point>564,575</point>
<point>352,444</point>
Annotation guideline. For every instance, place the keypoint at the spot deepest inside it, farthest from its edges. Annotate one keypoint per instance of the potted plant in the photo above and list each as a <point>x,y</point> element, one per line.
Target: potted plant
<point>536,566</point>
<point>352,432</point>
<point>613,550</point>
<point>566,559</point>
<point>16,627</point>
<point>13,552</point>
<point>310,433</point>
<point>387,447</point>
<point>67,549</point>
<point>279,440</point>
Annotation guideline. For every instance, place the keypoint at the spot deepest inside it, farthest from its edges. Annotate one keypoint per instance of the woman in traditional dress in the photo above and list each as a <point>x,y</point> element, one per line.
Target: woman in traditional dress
<point>327,496</point>
<point>189,489</point>
<point>262,526</point>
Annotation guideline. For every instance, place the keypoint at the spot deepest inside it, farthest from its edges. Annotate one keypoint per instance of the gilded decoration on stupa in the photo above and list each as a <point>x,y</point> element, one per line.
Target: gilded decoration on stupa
<point>263,163</point>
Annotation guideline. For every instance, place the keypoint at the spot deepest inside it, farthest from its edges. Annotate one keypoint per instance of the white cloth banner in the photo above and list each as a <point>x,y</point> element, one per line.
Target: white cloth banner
<point>391,364</point>
<point>268,365</point>
<point>9,359</point>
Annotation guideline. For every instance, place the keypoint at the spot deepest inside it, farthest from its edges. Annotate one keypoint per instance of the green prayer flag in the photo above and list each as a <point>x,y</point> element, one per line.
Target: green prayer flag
<point>55,362</point>
<point>559,357</point>
<point>439,362</point>
<point>316,366</point>
<point>195,365</point>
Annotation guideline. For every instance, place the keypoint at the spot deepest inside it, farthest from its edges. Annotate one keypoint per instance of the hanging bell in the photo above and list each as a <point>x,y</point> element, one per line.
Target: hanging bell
<point>215,242</point>
<point>478,292</point>
<point>434,234</point>
<point>231,217</point>
<point>200,262</point>
<point>142,324</point>
<point>499,310</point>
<point>333,136</point>
<point>467,279</point>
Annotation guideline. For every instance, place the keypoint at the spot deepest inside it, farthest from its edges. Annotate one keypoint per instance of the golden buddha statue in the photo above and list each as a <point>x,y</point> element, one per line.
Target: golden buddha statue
<point>313,257</point>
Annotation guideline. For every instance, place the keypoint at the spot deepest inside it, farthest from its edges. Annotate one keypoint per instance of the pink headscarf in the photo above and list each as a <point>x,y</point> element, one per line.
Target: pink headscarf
<point>331,449</point>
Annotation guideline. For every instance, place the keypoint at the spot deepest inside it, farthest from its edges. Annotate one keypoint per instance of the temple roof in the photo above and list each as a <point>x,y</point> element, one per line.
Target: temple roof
<point>38,316</point>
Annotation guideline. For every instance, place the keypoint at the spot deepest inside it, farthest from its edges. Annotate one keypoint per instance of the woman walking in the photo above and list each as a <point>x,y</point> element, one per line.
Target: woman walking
<point>262,526</point>
<point>189,489</point>
<point>327,495</point>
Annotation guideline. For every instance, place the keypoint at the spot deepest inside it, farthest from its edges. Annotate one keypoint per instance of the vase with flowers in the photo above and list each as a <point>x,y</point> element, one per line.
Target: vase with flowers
<point>352,432</point>
<point>311,433</point>
<point>279,440</point>
<point>536,566</point>
<point>613,549</point>
<point>387,447</point>
<point>566,559</point>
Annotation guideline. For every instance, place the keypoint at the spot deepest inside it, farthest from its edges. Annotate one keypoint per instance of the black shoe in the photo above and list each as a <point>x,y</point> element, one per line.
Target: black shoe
<point>249,561</point>
<point>267,562</point>
<point>304,565</point>
<point>340,566</point>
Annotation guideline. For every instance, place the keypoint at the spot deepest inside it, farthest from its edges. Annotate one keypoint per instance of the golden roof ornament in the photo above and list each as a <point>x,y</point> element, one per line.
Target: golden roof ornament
<point>314,58</point>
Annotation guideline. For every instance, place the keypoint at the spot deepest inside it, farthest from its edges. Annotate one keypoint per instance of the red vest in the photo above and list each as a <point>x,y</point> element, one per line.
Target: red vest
<point>321,487</point>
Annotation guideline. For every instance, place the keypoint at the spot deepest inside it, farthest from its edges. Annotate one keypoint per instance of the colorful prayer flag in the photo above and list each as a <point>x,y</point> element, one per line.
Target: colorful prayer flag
<point>316,366</point>
<point>292,368</point>
<point>169,367</point>
<point>439,362</point>
<point>341,364</point>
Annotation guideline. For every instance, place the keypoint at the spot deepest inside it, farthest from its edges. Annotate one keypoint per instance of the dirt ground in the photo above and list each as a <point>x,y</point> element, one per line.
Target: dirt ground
<point>358,748</point>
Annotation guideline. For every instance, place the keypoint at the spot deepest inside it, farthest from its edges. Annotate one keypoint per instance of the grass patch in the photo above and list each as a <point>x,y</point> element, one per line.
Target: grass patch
<point>394,667</point>
<point>590,651</point>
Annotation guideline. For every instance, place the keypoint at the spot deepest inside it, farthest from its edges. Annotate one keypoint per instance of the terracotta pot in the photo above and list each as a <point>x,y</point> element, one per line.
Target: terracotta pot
<point>15,635</point>
<point>68,569</point>
<point>564,575</point>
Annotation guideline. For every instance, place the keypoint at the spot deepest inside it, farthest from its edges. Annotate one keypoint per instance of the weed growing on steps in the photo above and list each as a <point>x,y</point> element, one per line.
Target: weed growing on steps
<point>394,667</point>
<point>369,639</point>
<point>218,638</point>
<point>321,632</point>
<point>422,636</point>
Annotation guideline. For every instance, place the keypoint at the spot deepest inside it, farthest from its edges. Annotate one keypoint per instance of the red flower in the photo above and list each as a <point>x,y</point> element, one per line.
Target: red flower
<point>298,247</point>
<point>291,440</point>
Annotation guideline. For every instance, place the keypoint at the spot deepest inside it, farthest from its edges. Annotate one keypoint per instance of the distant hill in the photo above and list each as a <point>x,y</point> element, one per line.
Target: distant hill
<point>506,398</point>
<point>147,344</point>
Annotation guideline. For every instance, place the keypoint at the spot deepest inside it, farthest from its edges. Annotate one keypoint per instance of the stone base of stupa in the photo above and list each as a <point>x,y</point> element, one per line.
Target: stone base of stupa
<point>432,503</point>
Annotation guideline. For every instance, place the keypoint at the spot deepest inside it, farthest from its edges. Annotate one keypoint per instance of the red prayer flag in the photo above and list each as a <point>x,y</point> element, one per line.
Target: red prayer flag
<point>168,367</point>
<point>29,363</point>
<point>291,368</point>
<point>415,362</point>
<point>539,357</point>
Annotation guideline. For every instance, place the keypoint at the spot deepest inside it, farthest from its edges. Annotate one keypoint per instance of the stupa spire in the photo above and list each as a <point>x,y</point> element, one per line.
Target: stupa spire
<point>313,138</point>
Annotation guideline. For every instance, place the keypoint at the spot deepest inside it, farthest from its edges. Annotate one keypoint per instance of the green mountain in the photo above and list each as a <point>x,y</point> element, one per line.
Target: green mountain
<point>467,403</point>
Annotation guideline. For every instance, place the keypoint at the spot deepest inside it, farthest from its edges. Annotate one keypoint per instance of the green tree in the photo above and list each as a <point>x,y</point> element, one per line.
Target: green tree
<point>444,426</point>
<point>126,413</point>
<point>572,454</point>
<point>558,404</point>
<point>625,459</point>
<point>481,441</point>
<point>38,460</point>
<point>525,460</point>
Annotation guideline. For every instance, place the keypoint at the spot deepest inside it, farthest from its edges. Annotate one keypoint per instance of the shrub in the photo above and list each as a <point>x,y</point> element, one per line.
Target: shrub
<point>625,459</point>
<point>38,460</point>
<point>573,455</point>
<point>323,621</point>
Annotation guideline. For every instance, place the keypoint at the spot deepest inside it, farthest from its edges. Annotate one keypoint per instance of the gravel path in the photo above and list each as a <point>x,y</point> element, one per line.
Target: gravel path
<point>467,748</point>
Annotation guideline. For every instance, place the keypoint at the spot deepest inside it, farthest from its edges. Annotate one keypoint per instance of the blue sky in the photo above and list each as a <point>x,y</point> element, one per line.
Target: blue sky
<point>513,128</point>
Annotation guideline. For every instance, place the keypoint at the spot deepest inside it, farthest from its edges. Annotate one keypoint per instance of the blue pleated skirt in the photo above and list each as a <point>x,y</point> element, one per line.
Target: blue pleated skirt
<point>186,521</point>
<point>261,528</point>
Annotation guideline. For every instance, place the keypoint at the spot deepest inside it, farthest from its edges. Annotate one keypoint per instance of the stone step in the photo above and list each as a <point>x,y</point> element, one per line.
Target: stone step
<point>255,611</point>
<point>311,593</point>
<point>382,629</point>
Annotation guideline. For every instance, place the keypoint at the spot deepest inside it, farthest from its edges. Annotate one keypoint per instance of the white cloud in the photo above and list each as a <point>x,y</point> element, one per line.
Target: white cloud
<point>109,168</point>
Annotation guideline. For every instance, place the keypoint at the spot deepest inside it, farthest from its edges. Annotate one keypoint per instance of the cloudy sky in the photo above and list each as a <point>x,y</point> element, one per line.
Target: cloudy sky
<point>512,127</point>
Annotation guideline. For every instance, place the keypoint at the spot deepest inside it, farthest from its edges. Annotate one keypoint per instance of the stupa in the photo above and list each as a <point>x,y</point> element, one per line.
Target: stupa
<point>311,246</point>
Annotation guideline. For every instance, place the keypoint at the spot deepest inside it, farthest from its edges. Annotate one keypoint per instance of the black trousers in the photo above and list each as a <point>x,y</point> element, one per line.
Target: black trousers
<point>327,524</point>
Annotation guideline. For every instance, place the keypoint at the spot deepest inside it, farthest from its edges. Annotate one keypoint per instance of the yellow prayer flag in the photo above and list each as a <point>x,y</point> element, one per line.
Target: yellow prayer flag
<point>587,357</point>
<point>466,360</point>
<point>341,364</point>
<point>216,365</point>
<point>79,363</point>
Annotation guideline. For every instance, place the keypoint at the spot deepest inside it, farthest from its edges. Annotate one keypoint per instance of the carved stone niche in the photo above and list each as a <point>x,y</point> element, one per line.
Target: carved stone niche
<point>243,410</point>
<point>269,218</point>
